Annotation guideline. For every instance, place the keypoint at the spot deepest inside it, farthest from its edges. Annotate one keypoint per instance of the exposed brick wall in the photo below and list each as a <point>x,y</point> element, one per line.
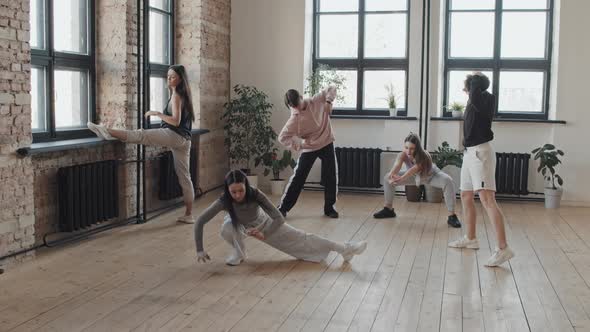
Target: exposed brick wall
<point>214,88</point>
<point>28,206</point>
<point>16,175</point>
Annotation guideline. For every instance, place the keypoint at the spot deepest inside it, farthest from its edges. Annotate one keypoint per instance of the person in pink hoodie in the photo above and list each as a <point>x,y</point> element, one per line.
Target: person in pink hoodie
<point>309,132</point>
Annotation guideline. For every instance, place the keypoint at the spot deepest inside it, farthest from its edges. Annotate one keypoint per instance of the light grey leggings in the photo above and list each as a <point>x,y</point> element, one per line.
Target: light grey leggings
<point>180,147</point>
<point>439,180</point>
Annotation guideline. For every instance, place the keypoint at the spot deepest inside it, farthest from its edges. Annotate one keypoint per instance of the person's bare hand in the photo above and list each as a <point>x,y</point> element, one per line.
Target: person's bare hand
<point>254,232</point>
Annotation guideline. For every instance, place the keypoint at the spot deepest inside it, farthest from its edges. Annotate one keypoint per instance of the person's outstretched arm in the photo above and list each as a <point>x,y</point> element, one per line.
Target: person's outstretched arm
<point>274,213</point>
<point>204,218</point>
<point>288,135</point>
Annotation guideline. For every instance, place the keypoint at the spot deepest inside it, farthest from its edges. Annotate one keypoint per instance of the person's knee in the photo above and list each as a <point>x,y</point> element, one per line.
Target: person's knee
<point>467,195</point>
<point>487,198</point>
<point>226,231</point>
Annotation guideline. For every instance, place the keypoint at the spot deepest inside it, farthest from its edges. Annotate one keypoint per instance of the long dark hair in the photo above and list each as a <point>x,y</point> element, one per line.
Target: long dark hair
<point>421,157</point>
<point>292,98</point>
<point>184,90</point>
<point>235,176</point>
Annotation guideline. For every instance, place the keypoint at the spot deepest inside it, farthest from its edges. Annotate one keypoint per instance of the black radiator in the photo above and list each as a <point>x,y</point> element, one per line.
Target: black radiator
<point>359,167</point>
<point>169,187</point>
<point>512,173</point>
<point>87,194</point>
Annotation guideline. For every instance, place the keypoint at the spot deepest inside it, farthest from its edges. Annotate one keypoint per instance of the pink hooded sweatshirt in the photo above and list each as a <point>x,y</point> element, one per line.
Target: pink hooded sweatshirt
<point>310,129</point>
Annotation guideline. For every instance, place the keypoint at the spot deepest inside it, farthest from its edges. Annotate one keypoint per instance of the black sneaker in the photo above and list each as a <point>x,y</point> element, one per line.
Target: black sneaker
<point>453,221</point>
<point>331,213</point>
<point>385,213</point>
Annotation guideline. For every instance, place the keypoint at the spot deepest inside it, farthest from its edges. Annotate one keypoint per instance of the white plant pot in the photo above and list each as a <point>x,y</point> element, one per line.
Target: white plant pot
<point>433,194</point>
<point>457,114</point>
<point>553,198</point>
<point>277,187</point>
<point>393,112</point>
<point>253,179</point>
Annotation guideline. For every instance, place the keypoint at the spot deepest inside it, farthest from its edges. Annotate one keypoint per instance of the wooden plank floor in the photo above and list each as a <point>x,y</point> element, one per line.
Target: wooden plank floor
<point>146,278</point>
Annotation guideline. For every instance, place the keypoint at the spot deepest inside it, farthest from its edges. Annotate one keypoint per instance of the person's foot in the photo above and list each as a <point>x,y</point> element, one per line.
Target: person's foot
<point>464,242</point>
<point>186,219</point>
<point>100,131</point>
<point>500,256</point>
<point>352,249</point>
<point>235,258</point>
<point>453,221</point>
<point>385,213</point>
<point>331,213</point>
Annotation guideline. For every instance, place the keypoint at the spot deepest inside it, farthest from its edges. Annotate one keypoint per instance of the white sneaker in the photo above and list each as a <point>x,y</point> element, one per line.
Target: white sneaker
<point>464,242</point>
<point>235,258</point>
<point>500,256</point>
<point>186,219</point>
<point>352,249</point>
<point>100,131</point>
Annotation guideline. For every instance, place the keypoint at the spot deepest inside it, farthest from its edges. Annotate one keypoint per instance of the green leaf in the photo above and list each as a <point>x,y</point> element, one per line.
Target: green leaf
<point>535,150</point>
<point>548,146</point>
<point>560,152</point>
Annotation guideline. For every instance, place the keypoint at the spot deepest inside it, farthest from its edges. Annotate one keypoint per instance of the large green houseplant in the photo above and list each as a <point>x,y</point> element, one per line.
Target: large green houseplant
<point>442,157</point>
<point>248,131</point>
<point>275,163</point>
<point>548,156</point>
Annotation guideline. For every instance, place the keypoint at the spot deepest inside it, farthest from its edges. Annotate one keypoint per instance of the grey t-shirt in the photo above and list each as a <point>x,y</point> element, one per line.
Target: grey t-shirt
<point>248,214</point>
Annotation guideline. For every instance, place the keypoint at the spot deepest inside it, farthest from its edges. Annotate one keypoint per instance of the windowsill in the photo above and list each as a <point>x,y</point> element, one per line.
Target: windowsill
<point>65,145</point>
<point>374,117</point>
<point>503,120</point>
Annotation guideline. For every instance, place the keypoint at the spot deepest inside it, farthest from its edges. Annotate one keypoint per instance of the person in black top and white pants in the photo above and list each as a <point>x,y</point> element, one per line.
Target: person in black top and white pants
<point>478,173</point>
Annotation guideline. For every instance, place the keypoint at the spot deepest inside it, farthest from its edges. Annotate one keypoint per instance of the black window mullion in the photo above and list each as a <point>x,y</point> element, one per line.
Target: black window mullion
<point>497,52</point>
<point>361,55</point>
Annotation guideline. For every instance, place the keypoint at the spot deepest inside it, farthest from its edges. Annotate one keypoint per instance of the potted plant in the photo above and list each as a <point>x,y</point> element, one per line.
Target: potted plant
<point>321,78</point>
<point>548,157</point>
<point>443,156</point>
<point>248,130</point>
<point>391,99</point>
<point>456,109</point>
<point>274,164</point>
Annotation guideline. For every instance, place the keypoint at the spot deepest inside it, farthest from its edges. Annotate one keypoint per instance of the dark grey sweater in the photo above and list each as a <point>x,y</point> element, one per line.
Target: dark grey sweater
<point>248,213</point>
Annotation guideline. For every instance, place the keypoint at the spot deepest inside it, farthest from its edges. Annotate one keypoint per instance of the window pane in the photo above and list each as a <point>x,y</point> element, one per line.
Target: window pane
<point>338,36</point>
<point>71,98</point>
<point>38,98</point>
<point>375,89</point>
<point>37,24</point>
<point>158,96</point>
<point>457,83</point>
<point>339,5</point>
<point>385,36</point>
<point>160,4</point>
<point>70,26</point>
<point>348,93</point>
<point>529,4</point>
<point>523,35</point>
<point>473,4</point>
<point>521,92</point>
<point>159,38</point>
<point>373,5</point>
<point>468,41</point>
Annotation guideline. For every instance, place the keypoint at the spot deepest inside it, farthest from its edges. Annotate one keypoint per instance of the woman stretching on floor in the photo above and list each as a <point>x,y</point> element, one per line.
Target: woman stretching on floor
<point>250,213</point>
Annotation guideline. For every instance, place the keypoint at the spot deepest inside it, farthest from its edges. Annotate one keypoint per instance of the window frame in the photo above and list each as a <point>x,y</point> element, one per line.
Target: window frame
<point>52,60</point>
<point>360,64</point>
<point>497,64</point>
<point>157,69</point>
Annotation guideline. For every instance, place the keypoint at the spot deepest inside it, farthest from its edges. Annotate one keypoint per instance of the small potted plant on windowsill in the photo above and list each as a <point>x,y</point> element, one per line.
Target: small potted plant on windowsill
<point>391,99</point>
<point>548,157</point>
<point>456,109</point>
<point>273,164</point>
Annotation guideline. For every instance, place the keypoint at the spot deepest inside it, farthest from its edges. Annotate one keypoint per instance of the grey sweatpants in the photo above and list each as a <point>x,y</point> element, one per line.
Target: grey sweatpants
<point>288,239</point>
<point>439,180</point>
<point>180,147</point>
